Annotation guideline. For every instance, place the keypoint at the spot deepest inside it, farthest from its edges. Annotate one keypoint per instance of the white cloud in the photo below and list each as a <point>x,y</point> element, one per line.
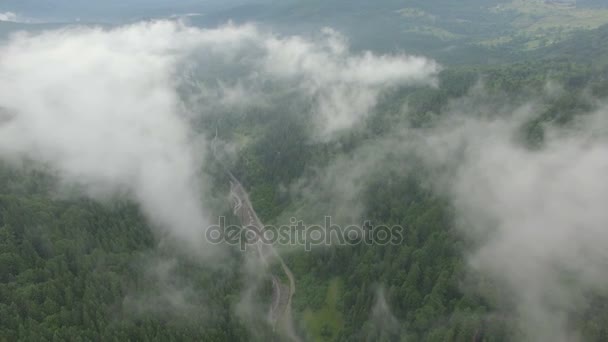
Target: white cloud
<point>11,17</point>
<point>537,214</point>
<point>545,216</point>
<point>345,86</point>
<point>106,108</point>
<point>101,108</point>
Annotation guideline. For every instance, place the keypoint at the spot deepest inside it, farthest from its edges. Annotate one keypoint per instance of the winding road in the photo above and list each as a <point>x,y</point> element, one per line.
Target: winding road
<point>282,294</point>
<point>280,309</point>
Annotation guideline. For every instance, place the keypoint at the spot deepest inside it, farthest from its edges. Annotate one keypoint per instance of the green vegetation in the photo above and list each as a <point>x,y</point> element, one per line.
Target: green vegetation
<point>423,277</point>
<point>78,270</point>
<point>82,271</point>
<point>543,23</point>
<point>326,323</point>
<point>453,32</point>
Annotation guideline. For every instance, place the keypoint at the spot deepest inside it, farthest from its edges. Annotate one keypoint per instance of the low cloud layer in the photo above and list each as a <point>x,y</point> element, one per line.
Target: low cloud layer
<point>12,17</point>
<point>111,110</point>
<point>247,67</point>
<point>117,112</point>
<point>345,87</point>
<point>539,215</point>
<point>536,215</point>
<point>100,107</point>
<point>382,324</point>
<point>8,16</point>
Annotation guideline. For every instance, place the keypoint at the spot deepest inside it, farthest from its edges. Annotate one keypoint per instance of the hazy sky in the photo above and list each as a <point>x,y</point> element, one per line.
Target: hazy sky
<point>111,10</point>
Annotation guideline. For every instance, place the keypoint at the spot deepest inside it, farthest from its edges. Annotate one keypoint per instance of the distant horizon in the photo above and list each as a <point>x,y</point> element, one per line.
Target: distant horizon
<point>109,11</point>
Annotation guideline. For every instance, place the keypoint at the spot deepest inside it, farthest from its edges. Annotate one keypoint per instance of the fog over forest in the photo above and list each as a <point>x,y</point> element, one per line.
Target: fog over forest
<point>476,134</point>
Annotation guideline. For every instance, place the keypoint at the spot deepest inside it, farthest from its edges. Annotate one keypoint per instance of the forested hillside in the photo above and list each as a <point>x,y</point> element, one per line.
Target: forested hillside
<point>79,267</point>
<point>425,280</point>
<point>72,269</point>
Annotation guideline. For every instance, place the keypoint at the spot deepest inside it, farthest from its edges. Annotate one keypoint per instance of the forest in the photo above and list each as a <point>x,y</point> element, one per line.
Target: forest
<point>73,268</point>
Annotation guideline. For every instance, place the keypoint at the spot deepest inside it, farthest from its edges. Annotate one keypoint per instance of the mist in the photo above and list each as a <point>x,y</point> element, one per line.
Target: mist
<point>534,215</point>
<point>132,131</point>
<point>102,107</point>
<point>117,112</point>
<point>127,112</point>
<point>539,217</point>
<point>9,16</point>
